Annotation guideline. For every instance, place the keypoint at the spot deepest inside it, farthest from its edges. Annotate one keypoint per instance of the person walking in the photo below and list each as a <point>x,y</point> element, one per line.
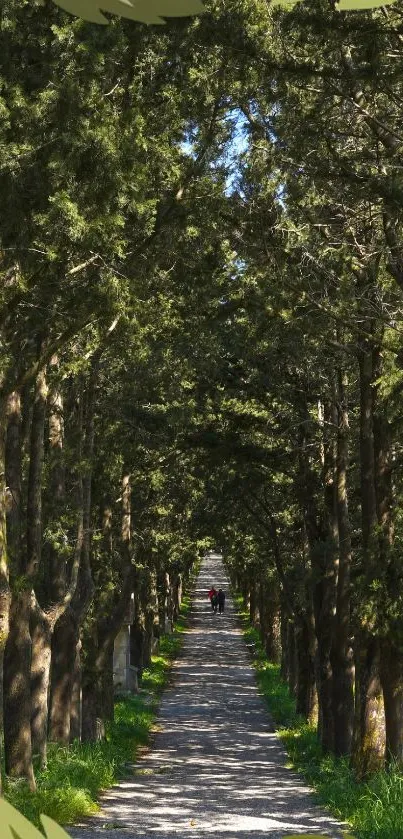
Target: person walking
<point>213,598</point>
<point>221,600</point>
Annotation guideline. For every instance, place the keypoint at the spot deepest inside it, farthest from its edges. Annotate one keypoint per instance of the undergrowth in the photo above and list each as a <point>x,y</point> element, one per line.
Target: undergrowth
<point>374,808</point>
<point>69,788</point>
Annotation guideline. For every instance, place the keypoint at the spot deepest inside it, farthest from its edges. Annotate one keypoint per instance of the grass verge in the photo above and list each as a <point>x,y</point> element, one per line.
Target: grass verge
<point>69,788</point>
<point>374,809</point>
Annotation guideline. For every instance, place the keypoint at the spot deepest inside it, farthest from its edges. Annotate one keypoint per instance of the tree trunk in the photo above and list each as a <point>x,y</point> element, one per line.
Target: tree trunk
<point>150,611</point>
<point>98,673</point>
<point>177,596</point>
<point>59,591</point>
<point>342,653</point>
<point>76,697</point>
<point>34,497</point>
<point>13,481</point>
<point>284,665</point>
<point>64,652</point>
<point>93,729</point>
<point>165,602</point>
<point>148,635</point>
<point>272,631</point>
<point>97,683</point>
<point>107,687</point>
<point>292,657</point>
<point>98,694</point>
<point>245,589</point>
<point>367,753</point>
<point>392,685</point>
<point>17,742</point>
<point>5,594</point>
<point>56,555</point>
<point>369,734</point>
<point>306,684</point>
<point>41,633</point>
<point>17,694</point>
<point>137,637</point>
<point>254,616</point>
<point>391,659</point>
<point>42,625</point>
<point>65,644</point>
<point>326,567</point>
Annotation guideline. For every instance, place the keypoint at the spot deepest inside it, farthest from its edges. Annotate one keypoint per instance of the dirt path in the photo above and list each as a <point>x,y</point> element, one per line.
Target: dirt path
<point>216,766</point>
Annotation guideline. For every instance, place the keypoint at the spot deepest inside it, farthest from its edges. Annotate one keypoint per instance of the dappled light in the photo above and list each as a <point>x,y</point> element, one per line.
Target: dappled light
<point>216,764</point>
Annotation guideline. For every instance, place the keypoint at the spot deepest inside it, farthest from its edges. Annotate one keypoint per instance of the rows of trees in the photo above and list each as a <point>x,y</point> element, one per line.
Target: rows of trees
<point>318,379</point>
<point>200,342</point>
<point>97,499</point>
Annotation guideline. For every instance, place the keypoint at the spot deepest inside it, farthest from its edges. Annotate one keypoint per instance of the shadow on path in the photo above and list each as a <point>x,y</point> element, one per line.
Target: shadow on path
<point>216,765</point>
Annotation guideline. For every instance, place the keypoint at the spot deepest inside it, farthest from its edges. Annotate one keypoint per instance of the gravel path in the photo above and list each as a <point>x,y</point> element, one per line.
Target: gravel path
<point>216,765</point>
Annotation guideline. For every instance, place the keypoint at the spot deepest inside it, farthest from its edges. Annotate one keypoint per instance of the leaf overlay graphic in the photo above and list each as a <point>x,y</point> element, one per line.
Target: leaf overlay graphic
<point>361,5</point>
<point>15,826</point>
<point>143,11</point>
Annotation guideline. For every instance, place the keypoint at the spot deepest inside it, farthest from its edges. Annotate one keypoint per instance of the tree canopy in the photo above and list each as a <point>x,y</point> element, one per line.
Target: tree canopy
<point>201,314</point>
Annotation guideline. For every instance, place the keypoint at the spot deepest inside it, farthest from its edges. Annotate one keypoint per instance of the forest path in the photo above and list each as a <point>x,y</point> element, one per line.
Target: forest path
<point>215,766</point>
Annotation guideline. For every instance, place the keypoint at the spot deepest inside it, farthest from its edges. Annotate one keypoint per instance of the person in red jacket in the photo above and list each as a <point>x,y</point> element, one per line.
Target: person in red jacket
<point>213,598</point>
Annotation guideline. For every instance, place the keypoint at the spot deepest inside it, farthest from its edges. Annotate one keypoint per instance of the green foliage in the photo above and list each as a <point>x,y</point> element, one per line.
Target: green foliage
<point>75,775</point>
<point>373,808</point>
<point>69,787</point>
<point>213,211</point>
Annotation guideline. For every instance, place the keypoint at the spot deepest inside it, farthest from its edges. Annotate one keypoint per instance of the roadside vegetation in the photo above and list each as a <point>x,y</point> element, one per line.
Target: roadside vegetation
<point>68,789</point>
<point>373,808</point>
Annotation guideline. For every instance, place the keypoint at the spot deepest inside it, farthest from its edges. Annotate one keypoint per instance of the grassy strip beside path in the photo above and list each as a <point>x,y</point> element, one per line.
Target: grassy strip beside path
<point>374,809</point>
<point>69,788</point>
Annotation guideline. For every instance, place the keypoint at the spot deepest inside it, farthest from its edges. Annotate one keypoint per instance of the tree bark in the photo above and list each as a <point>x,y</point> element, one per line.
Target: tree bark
<point>391,658</point>
<point>42,625</point>
<point>98,672</point>
<point>41,635</point>
<point>149,607</point>
<point>5,593</point>
<point>306,677</point>
<point>284,665</point>
<point>177,596</point>
<point>13,480</point>
<point>17,703</point>
<point>342,652</point>
<point>292,657</point>
<point>369,734</point>
<point>64,646</point>
<point>326,568</point>
<point>254,616</point>
<point>60,591</point>
<point>66,637</point>
<point>17,697</point>
<point>367,754</point>
<point>391,669</point>
<point>165,602</point>
<point>76,697</point>
<point>270,609</point>
<point>56,555</point>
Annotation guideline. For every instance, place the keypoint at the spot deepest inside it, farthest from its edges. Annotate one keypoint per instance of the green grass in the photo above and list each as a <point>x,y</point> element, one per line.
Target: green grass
<point>69,788</point>
<point>374,808</point>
